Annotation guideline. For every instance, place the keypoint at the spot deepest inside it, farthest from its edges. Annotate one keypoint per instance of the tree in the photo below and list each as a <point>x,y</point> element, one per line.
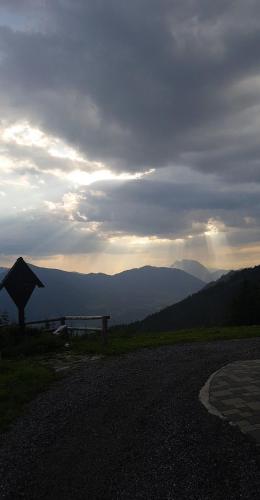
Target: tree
<point>245,308</point>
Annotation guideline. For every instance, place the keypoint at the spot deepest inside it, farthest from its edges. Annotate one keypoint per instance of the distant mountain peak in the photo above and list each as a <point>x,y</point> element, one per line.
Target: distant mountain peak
<point>198,270</point>
<point>195,268</point>
<point>189,262</point>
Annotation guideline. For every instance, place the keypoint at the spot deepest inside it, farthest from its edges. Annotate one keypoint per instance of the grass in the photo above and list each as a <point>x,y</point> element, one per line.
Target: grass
<point>122,344</point>
<point>22,376</point>
<point>38,343</point>
<point>35,342</point>
<point>20,381</point>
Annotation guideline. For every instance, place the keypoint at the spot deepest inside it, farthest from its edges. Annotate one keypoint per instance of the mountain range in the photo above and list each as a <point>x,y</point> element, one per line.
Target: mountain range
<point>127,296</point>
<point>199,270</point>
<point>232,300</point>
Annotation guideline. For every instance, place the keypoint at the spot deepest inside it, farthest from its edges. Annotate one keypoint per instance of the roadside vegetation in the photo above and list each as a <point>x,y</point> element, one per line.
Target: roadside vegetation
<point>23,373</point>
<point>20,381</point>
<point>37,343</point>
<point>121,343</point>
<point>22,377</point>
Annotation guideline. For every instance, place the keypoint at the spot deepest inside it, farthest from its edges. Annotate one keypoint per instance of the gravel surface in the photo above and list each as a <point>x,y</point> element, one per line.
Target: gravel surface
<point>132,427</point>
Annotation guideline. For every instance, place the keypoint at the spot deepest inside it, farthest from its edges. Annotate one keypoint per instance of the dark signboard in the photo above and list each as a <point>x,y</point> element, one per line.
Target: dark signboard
<point>20,283</point>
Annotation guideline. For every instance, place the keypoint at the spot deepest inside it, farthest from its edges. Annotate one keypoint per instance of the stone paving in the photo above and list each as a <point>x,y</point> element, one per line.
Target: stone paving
<point>234,391</point>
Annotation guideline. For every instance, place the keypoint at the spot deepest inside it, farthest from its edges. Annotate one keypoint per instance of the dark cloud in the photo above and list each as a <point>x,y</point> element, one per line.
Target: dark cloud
<point>134,84</point>
<point>139,83</point>
<point>84,222</point>
<point>37,233</point>
<point>170,210</point>
<point>39,159</point>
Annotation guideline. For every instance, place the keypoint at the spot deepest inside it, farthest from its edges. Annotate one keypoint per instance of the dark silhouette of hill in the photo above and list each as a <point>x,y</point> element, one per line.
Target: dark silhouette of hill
<point>232,300</point>
<point>198,270</point>
<point>128,296</point>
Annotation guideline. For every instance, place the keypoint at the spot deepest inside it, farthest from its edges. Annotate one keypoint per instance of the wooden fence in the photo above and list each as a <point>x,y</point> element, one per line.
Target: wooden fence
<point>62,326</point>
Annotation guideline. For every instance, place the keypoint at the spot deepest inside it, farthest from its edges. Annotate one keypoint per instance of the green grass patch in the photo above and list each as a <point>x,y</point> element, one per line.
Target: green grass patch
<point>20,381</point>
<point>35,342</point>
<point>38,343</point>
<point>121,344</point>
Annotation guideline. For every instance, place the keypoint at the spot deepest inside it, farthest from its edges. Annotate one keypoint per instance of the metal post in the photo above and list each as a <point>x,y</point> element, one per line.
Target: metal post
<point>104,330</point>
<point>21,319</point>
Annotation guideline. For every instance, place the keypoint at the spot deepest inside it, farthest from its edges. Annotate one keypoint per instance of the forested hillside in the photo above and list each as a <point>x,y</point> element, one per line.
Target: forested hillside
<point>233,300</point>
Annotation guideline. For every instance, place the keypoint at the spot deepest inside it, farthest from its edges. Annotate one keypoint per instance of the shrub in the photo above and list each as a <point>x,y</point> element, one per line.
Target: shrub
<point>33,342</point>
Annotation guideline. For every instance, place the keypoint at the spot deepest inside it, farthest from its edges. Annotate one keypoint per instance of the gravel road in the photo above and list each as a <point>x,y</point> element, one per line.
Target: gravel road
<point>131,428</point>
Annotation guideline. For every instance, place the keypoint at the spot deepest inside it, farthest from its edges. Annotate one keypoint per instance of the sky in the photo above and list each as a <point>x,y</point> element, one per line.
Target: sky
<point>129,133</point>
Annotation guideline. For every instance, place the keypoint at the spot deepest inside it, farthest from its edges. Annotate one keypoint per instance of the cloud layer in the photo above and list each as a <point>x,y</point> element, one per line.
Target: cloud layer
<point>162,96</point>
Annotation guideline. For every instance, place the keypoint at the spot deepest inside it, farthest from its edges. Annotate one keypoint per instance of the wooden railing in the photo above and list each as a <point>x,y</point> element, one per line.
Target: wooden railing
<point>62,323</point>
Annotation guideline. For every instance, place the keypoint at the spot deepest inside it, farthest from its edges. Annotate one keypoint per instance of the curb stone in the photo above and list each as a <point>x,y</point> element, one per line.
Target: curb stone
<point>233,394</point>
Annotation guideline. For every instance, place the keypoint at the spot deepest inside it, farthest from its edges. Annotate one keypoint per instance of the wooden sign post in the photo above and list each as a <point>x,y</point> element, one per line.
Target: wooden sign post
<point>20,283</point>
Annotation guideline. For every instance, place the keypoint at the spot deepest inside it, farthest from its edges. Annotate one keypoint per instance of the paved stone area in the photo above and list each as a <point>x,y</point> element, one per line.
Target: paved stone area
<point>234,391</point>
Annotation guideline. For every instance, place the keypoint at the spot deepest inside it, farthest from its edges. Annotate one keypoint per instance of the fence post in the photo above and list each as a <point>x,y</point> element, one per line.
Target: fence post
<point>21,320</point>
<point>104,330</point>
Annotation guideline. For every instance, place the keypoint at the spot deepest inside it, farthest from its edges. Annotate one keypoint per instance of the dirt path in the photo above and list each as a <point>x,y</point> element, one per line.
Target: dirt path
<point>132,428</point>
